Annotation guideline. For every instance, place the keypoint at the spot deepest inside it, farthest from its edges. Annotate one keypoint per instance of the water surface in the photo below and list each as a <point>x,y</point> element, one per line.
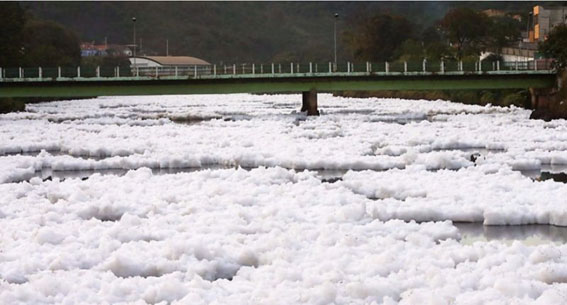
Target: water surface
<point>529,234</point>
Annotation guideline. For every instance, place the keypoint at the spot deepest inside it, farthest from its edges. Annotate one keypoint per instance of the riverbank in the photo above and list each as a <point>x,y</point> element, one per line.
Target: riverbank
<point>504,98</point>
<point>8,105</point>
<point>550,104</point>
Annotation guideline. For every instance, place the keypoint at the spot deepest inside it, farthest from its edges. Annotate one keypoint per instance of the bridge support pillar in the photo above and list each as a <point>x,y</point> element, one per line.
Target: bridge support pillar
<point>309,102</point>
<point>541,98</point>
<point>549,103</point>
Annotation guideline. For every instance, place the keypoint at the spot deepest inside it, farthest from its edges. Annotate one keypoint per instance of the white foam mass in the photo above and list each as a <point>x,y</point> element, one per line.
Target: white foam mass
<point>382,234</point>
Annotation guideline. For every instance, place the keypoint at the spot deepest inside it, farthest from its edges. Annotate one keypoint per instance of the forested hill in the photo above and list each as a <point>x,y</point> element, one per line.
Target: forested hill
<point>235,31</point>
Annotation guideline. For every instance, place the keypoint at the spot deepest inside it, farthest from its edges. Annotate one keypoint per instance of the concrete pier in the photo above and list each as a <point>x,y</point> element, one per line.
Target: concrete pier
<point>309,102</point>
<point>542,98</point>
<point>550,103</point>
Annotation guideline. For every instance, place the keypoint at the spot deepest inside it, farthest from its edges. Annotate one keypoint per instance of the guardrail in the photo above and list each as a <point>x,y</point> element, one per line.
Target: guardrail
<point>266,70</point>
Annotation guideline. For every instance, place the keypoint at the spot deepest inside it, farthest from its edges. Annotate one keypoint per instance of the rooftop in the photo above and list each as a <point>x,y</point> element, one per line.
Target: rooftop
<point>176,60</point>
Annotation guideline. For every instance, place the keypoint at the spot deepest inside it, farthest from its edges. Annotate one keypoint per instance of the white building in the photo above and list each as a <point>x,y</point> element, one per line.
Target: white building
<point>164,65</point>
<point>167,61</point>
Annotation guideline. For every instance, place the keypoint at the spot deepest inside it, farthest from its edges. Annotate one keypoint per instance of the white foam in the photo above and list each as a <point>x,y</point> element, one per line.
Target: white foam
<point>274,235</point>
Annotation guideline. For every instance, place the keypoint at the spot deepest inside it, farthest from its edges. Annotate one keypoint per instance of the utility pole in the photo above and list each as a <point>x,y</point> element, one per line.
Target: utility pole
<point>167,47</point>
<point>134,22</point>
<point>336,18</point>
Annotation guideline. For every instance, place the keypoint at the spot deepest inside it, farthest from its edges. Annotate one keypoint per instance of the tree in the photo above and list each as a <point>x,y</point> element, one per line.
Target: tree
<point>503,30</point>
<point>25,41</point>
<point>432,46</point>
<point>436,45</point>
<point>411,50</point>
<point>12,20</point>
<point>47,43</point>
<point>377,38</point>
<point>437,50</point>
<point>555,46</point>
<point>465,28</point>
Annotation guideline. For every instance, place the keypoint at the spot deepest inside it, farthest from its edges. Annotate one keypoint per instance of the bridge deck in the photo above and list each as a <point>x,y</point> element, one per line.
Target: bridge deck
<point>208,83</point>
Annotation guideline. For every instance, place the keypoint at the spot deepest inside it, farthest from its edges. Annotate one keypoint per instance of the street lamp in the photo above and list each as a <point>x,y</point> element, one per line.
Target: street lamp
<point>529,27</point>
<point>134,22</point>
<point>336,18</point>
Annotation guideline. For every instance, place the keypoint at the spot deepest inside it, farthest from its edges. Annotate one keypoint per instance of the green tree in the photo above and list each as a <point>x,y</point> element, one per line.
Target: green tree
<point>12,20</point>
<point>411,50</point>
<point>555,46</point>
<point>503,31</point>
<point>465,29</point>
<point>431,46</point>
<point>435,44</point>
<point>437,50</point>
<point>377,38</point>
<point>47,43</point>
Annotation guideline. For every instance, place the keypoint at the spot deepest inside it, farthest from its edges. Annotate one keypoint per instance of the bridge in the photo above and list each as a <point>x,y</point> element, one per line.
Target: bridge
<point>274,78</point>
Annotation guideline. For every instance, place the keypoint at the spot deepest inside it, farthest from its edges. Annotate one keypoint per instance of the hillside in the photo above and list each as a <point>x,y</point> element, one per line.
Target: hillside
<point>234,31</point>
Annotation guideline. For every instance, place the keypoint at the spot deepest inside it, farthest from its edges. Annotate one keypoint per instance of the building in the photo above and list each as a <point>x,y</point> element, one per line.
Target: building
<point>540,23</point>
<point>182,65</point>
<point>519,52</point>
<point>544,20</point>
<point>119,50</point>
<point>167,61</point>
<point>498,13</point>
<point>91,49</point>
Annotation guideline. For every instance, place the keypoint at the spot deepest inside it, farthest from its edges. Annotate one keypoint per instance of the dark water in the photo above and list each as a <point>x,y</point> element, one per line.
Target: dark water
<point>474,150</point>
<point>400,120</point>
<point>49,174</point>
<point>326,176</point>
<point>556,173</point>
<point>529,234</point>
<point>55,153</point>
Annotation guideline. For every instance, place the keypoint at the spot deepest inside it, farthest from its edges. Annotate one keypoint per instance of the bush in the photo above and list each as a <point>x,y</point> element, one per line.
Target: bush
<point>10,105</point>
<point>555,46</point>
<point>488,97</point>
<point>465,96</point>
<point>517,99</point>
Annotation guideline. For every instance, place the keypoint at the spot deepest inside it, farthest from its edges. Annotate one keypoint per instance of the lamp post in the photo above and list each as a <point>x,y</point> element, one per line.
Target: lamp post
<point>134,22</point>
<point>336,17</point>
<point>529,25</point>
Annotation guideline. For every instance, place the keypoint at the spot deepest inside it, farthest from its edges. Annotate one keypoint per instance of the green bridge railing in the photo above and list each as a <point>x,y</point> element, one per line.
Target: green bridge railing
<point>271,70</point>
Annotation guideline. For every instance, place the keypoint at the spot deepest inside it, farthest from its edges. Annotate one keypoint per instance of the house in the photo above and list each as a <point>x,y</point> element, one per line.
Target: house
<point>493,12</point>
<point>148,65</point>
<point>498,13</point>
<point>119,50</point>
<point>167,61</point>
<point>91,49</point>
